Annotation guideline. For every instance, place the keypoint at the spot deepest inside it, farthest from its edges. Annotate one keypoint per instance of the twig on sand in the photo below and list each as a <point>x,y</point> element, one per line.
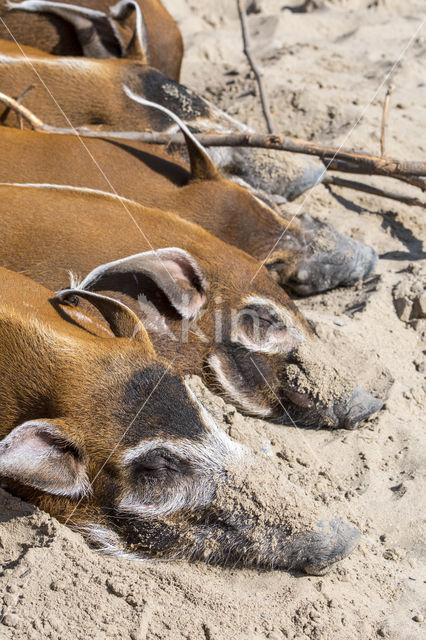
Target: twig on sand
<point>349,167</point>
<point>384,120</point>
<point>353,161</point>
<point>253,64</point>
<point>366,188</point>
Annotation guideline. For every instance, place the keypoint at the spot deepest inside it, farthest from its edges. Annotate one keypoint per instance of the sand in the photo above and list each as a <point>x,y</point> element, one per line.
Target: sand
<point>324,72</point>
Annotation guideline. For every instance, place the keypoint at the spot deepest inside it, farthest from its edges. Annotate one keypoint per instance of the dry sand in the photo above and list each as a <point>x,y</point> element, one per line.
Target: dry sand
<point>324,72</point>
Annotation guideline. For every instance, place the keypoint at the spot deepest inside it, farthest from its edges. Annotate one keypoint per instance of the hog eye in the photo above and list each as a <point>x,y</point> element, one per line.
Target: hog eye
<point>263,316</point>
<point>159,463</point>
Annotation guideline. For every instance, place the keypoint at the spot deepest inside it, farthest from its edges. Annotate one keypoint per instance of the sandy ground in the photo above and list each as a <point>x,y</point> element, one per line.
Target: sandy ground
<point>325,72</point>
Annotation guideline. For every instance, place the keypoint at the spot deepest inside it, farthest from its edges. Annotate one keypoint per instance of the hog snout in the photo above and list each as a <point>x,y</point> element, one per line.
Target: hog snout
<point>317,392</point>
<point>315,552</point>
<point>360,406</point>
<point>343,415</point>
<point>328,260</point>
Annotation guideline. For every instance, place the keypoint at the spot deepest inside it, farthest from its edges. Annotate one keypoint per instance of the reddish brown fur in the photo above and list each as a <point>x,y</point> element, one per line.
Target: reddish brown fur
<point>308,258</point>
<point>71,407</point>
<point>77,86</point>
<point>50,375</point>
<point>79,230</point>
<point>53,35</point>
<point>69,238</point>
<point>155,179</point>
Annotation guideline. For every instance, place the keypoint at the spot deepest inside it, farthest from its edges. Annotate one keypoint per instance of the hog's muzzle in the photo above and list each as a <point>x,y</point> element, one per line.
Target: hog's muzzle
<point>360,406</point>
<point>345,415</point>
<point>349,415</point>
<point>327,259</point>
<point>317,551</point>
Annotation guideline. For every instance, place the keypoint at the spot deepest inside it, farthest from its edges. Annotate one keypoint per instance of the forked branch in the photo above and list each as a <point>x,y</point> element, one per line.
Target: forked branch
<point>340,159</point>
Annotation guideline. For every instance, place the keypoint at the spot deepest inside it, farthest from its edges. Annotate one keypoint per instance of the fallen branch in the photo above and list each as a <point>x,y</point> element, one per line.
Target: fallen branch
<point>350,167</point>
<point>24,113</point>
<point>253,64</point>
<point>366,188</point>
<point>355,161</point>
<point>19,101</point>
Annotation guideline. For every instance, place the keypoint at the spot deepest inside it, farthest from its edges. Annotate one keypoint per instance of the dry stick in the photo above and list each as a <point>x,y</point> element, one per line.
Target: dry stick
<point>416,182</point>
<point>19,100</point>
<point>384,119</point>
<point>25,113</point>
<point>253,64</point>
<point>356,161</point>
<point>366,188</point>
<point>350,167</point>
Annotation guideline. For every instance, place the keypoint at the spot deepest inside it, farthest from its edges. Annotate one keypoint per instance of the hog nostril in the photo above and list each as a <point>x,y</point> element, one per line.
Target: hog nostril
<point>302,275</point>
<point>300,399</point>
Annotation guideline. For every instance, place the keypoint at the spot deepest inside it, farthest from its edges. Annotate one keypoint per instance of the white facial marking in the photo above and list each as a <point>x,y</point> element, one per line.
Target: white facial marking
<point>207,458</point>
<point>66,187</point>
<point>233,394</point>
<point>105,540</point>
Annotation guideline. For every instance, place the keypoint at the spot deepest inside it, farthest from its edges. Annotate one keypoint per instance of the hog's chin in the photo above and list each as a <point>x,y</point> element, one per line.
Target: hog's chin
<point>299,399</point>
<point>298,410</point>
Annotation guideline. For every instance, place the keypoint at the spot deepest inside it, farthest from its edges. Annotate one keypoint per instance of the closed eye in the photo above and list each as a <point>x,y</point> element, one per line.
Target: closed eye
<point>159,463</point>
<point>263,315</point>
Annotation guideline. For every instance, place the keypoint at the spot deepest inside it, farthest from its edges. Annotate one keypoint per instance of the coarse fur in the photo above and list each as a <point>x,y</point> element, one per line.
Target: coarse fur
<point>98,29</point>
<point>220,301</point>
<point>105,437</point>
<point>304,255</point>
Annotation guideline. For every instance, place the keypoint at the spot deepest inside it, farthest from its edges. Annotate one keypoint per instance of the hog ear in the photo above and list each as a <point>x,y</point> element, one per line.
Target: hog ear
<point>122,321</point>
<point>128,16</point>
<point>173,272</point>
<point>202,166</point>
<point>38,453</point>
<point>100,36</point>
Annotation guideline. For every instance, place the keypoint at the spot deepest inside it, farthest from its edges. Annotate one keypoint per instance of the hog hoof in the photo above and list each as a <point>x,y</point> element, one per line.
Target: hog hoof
<point>320,550</point>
